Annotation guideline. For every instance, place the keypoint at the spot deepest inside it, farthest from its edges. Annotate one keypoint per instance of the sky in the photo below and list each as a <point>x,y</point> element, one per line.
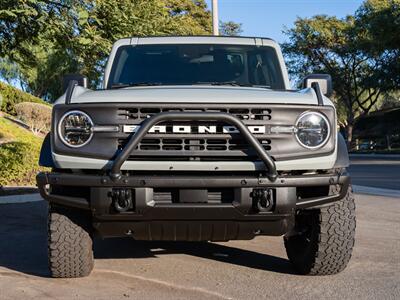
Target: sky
<point>267,18</point>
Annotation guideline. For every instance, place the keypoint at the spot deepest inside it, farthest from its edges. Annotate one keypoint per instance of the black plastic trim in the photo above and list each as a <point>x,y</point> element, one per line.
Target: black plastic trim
<point>342,159</point>
<point>198,230</point>
<point>317,90</point>
<point>45,158</point>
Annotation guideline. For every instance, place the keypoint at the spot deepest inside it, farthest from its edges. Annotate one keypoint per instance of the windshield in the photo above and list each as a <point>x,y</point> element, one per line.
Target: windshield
<point>189,64</point>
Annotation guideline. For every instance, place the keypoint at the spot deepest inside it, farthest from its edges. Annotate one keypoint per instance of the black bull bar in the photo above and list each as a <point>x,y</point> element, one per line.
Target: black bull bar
<point>115,170</point>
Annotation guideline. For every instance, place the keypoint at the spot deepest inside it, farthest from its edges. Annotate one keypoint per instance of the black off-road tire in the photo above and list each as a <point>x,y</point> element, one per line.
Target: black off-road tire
<point>323,239</point>
<point>69,243</point>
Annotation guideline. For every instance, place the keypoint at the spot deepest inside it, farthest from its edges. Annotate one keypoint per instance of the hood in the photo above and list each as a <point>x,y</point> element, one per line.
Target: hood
<point>194,94</point>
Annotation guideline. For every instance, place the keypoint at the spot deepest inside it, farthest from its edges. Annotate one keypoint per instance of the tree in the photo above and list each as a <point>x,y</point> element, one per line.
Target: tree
<point>47,39</point>
<point>325,44</point>
<point>230,28</point>
<point>378,25</point>
<point>8,70</point>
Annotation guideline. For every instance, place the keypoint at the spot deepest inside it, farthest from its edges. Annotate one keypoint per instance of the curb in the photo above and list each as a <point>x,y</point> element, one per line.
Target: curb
<point>366,190</point>
<point>17,190</point>
<point>374,156</point>
<point>15,199</point>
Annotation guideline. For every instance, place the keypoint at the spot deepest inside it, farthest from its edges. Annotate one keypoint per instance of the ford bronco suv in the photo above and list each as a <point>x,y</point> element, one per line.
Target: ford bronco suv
<point>197,139</point>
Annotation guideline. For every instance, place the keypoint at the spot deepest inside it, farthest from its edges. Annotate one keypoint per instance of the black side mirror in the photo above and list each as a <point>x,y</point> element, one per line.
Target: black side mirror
<point>80,79</point>
<point>324,81</point>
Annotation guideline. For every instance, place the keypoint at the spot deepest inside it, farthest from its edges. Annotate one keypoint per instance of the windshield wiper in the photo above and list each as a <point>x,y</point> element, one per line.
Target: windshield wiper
<point>230,83</point>
<point>214,83</point>
<point>124,85</point>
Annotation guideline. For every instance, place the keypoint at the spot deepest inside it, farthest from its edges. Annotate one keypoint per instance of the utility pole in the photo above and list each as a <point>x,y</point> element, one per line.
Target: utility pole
<point>215,17</point>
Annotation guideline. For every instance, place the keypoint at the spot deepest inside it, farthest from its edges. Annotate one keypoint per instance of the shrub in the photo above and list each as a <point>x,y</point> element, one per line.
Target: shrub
<point>36,115</point>
<point>10,96</point>
<point>19,157</point>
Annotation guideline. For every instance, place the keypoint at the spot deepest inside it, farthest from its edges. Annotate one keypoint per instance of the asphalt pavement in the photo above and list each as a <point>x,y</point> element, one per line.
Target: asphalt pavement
<point>256,269</point>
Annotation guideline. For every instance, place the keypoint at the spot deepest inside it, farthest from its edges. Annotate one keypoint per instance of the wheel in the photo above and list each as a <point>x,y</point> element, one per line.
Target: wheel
<point>69,243</point>
<point>323,239</point>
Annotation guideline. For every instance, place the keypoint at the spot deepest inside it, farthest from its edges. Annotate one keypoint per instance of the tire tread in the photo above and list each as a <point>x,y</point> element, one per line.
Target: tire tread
<point>334,241</point>
<point>69,245</point>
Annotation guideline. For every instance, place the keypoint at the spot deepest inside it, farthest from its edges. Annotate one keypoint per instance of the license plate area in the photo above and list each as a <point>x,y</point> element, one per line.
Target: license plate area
<point>206,196</point>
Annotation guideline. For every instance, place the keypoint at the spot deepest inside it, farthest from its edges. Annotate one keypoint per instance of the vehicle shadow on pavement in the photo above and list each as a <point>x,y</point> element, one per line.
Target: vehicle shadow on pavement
<point>126,248</point>
<point>23,245</point>
<point>23,238</point>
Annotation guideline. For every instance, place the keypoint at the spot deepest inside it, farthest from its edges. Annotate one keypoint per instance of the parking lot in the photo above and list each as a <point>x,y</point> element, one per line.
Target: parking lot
<point>253,269</point>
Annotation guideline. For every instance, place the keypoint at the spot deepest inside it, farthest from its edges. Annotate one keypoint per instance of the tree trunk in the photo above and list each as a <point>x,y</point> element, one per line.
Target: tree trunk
<point>349,128</point>
<point>349,131</point>
<point>389,145</point>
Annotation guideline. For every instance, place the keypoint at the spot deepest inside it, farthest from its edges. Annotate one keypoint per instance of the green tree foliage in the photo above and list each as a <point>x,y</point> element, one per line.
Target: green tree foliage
<point>378,25</point>
<point>47,39</point>
<point>8,70</point>
<point>340,48</point>
<point>230,28</point>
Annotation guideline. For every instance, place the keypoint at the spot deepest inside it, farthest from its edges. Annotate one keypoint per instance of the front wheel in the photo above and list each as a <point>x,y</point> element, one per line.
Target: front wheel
<point>69,243</point>
<point>323,239</point>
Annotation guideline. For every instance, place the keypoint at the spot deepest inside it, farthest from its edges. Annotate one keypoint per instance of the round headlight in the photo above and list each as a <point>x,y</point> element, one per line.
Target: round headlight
<point>75,129</point>
<point>313,130</point>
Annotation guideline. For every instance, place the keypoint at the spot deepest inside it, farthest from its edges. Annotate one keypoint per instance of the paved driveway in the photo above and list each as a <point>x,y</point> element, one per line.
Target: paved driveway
<point>254,269</point>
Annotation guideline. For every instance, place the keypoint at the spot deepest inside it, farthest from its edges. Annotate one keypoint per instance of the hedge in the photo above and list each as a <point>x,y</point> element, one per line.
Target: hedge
<point>36,115</point>
<point>10,96</point>
<point>19,154</point>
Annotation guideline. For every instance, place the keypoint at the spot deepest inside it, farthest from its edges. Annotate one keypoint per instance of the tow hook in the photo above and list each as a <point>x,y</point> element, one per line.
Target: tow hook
<point>263,199</point>
<point>122,199</point>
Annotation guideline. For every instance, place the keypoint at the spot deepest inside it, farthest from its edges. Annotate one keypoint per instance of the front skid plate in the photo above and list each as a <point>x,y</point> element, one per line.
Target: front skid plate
<point>193,230</point>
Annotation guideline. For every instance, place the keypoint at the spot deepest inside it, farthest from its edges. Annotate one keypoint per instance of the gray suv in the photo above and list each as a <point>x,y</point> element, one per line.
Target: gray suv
<point>197,139</point>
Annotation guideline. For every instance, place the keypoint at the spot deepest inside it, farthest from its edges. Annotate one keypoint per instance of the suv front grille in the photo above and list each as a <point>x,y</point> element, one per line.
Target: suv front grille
<point>195,146</point>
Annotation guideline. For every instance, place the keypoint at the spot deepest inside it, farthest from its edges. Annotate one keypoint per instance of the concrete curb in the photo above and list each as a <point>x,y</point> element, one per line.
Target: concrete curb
<point>366,190</point>
<point>374,156</point>
<point>20,198</point>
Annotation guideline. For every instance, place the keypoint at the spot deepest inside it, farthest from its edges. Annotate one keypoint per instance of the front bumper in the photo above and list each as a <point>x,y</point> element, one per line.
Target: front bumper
<point>232,218</point>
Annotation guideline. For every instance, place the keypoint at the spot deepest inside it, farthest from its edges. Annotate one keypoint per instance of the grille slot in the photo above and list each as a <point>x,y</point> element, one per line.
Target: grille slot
<point>195,147</point>
<point>142,113</point>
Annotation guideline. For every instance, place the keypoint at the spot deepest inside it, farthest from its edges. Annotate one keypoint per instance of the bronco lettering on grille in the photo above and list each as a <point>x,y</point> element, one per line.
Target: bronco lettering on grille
<point>201,129</point>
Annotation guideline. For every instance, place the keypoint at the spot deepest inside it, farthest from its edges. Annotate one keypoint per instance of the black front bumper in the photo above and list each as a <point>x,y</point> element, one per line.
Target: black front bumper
<point>168,220</point>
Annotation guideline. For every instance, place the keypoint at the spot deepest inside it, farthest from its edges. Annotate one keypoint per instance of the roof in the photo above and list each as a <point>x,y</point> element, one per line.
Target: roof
<point>199,39</point>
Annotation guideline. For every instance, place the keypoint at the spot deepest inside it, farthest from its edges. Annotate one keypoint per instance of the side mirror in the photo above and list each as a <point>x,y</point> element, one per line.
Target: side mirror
<point>80,79</point>
<point>324,81</point>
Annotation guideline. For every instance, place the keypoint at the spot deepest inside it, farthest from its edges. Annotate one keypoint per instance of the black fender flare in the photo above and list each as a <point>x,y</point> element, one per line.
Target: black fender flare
<point>342,158</point>
<point>45,158</point>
